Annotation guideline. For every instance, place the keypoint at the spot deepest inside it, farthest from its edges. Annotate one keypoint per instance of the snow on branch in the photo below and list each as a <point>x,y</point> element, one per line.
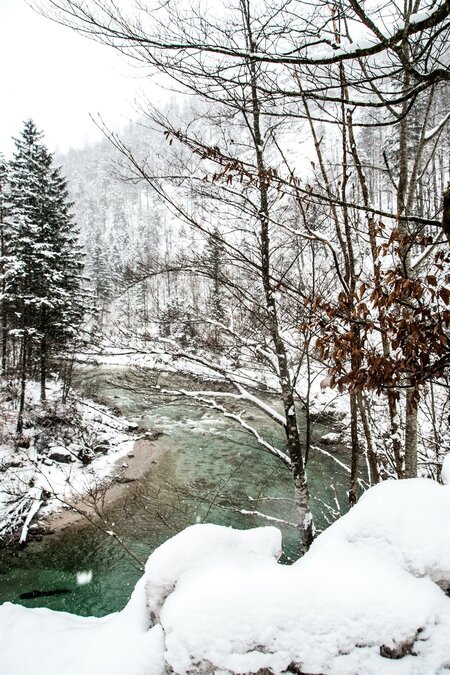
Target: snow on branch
<point>264,516</point>
<point>110,26</point>
<point>432,133</point>
<point>233,379</point>
<point>214,405</point>
<point>36,503</point>
<point>344,466</point>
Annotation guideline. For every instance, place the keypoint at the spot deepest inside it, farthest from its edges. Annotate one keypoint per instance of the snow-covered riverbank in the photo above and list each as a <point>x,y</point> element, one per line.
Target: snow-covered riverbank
<point>371,597</point>
<point>250,383</point>
<point>65,452</point>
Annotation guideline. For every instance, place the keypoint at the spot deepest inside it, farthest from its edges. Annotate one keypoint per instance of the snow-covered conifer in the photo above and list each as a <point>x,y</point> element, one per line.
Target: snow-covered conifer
<point>3,226</point>
<point>42,271</point>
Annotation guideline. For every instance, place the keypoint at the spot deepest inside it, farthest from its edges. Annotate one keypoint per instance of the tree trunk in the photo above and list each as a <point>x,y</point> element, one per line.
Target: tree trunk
<point>43,360</point>
<point>353,492</point>
<point>403,202</point>
<point>4,340</point>
<point>43,353</point>
<point>391,394</point>
<point>23,381</point>
<point>411,434</point>
<point>446,213</point>
<point>4,314</point>
<point>371,453</point>
<point>67,379</point>
<point>293,442</point>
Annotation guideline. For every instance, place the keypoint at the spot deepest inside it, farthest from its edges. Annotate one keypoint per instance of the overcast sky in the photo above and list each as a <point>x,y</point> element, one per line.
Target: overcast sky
<point>57,77</point>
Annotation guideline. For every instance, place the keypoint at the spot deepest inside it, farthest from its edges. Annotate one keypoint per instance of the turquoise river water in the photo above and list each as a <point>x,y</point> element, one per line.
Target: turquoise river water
<point>208,470</point>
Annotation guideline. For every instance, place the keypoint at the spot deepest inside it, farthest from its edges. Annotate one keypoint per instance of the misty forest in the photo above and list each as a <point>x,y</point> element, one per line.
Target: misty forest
<point>225,344</point>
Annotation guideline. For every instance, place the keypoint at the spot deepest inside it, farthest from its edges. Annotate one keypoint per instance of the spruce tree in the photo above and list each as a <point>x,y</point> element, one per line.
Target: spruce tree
<point>43,268</point>
<point>3,252</point>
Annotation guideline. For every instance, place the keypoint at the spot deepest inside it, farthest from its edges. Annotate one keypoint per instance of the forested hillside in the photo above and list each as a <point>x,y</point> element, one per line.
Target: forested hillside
<point>124,228</point>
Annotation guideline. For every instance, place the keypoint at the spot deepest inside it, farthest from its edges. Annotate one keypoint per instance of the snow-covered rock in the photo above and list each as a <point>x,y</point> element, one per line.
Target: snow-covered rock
<point>236,619</point>
<point>331,438</point>
<point>60,454</point>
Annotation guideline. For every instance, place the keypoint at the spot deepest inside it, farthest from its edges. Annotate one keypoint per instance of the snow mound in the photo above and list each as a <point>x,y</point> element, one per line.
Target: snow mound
<point>364,600</point>
<point>43,642</point>
<point>405,522</point>
<point>230,618</point>
<point>200,547</point>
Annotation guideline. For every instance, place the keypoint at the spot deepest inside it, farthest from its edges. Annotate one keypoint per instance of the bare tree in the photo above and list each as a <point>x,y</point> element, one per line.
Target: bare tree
<point>261,69</point>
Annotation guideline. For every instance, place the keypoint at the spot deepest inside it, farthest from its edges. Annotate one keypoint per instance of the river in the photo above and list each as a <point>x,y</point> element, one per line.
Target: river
<point>208,470</point>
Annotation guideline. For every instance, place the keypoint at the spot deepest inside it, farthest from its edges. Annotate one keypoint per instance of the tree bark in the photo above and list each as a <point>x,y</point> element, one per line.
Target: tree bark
<point>410,443</point>
<point>371,453</point>
<point>293,441</point>
<point>4,313</point>
<point>43,360</point>
<point>354,467</point>
<point>391,394</point>
<point>446,213</point>
<point>411,435</point>
<point>23,381</point>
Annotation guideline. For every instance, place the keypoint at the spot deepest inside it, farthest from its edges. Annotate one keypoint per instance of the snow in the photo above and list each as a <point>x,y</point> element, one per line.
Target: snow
<point>433,132</point>
<point>357,46</point>
<point>418,17</point>
<point>203,546</point>
<point>38,641</point>
<point>215,600</point>
<point>403,522</point>
<point>445,471</point>
<point>37,480</point>
<point>84,577</point>
<point>242,620</point>
<point>36,502</point>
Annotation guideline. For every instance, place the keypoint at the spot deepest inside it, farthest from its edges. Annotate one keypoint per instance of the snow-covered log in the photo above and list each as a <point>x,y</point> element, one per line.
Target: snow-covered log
<point>19,513</point>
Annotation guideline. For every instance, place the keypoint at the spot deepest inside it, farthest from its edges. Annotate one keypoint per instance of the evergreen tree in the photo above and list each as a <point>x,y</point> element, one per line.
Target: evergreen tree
<point>42,270</point>
<point>3,251</point>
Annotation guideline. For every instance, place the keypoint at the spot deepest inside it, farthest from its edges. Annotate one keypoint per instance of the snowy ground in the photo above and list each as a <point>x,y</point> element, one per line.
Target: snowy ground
<point>64,452</point>
<point>370,597</point>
